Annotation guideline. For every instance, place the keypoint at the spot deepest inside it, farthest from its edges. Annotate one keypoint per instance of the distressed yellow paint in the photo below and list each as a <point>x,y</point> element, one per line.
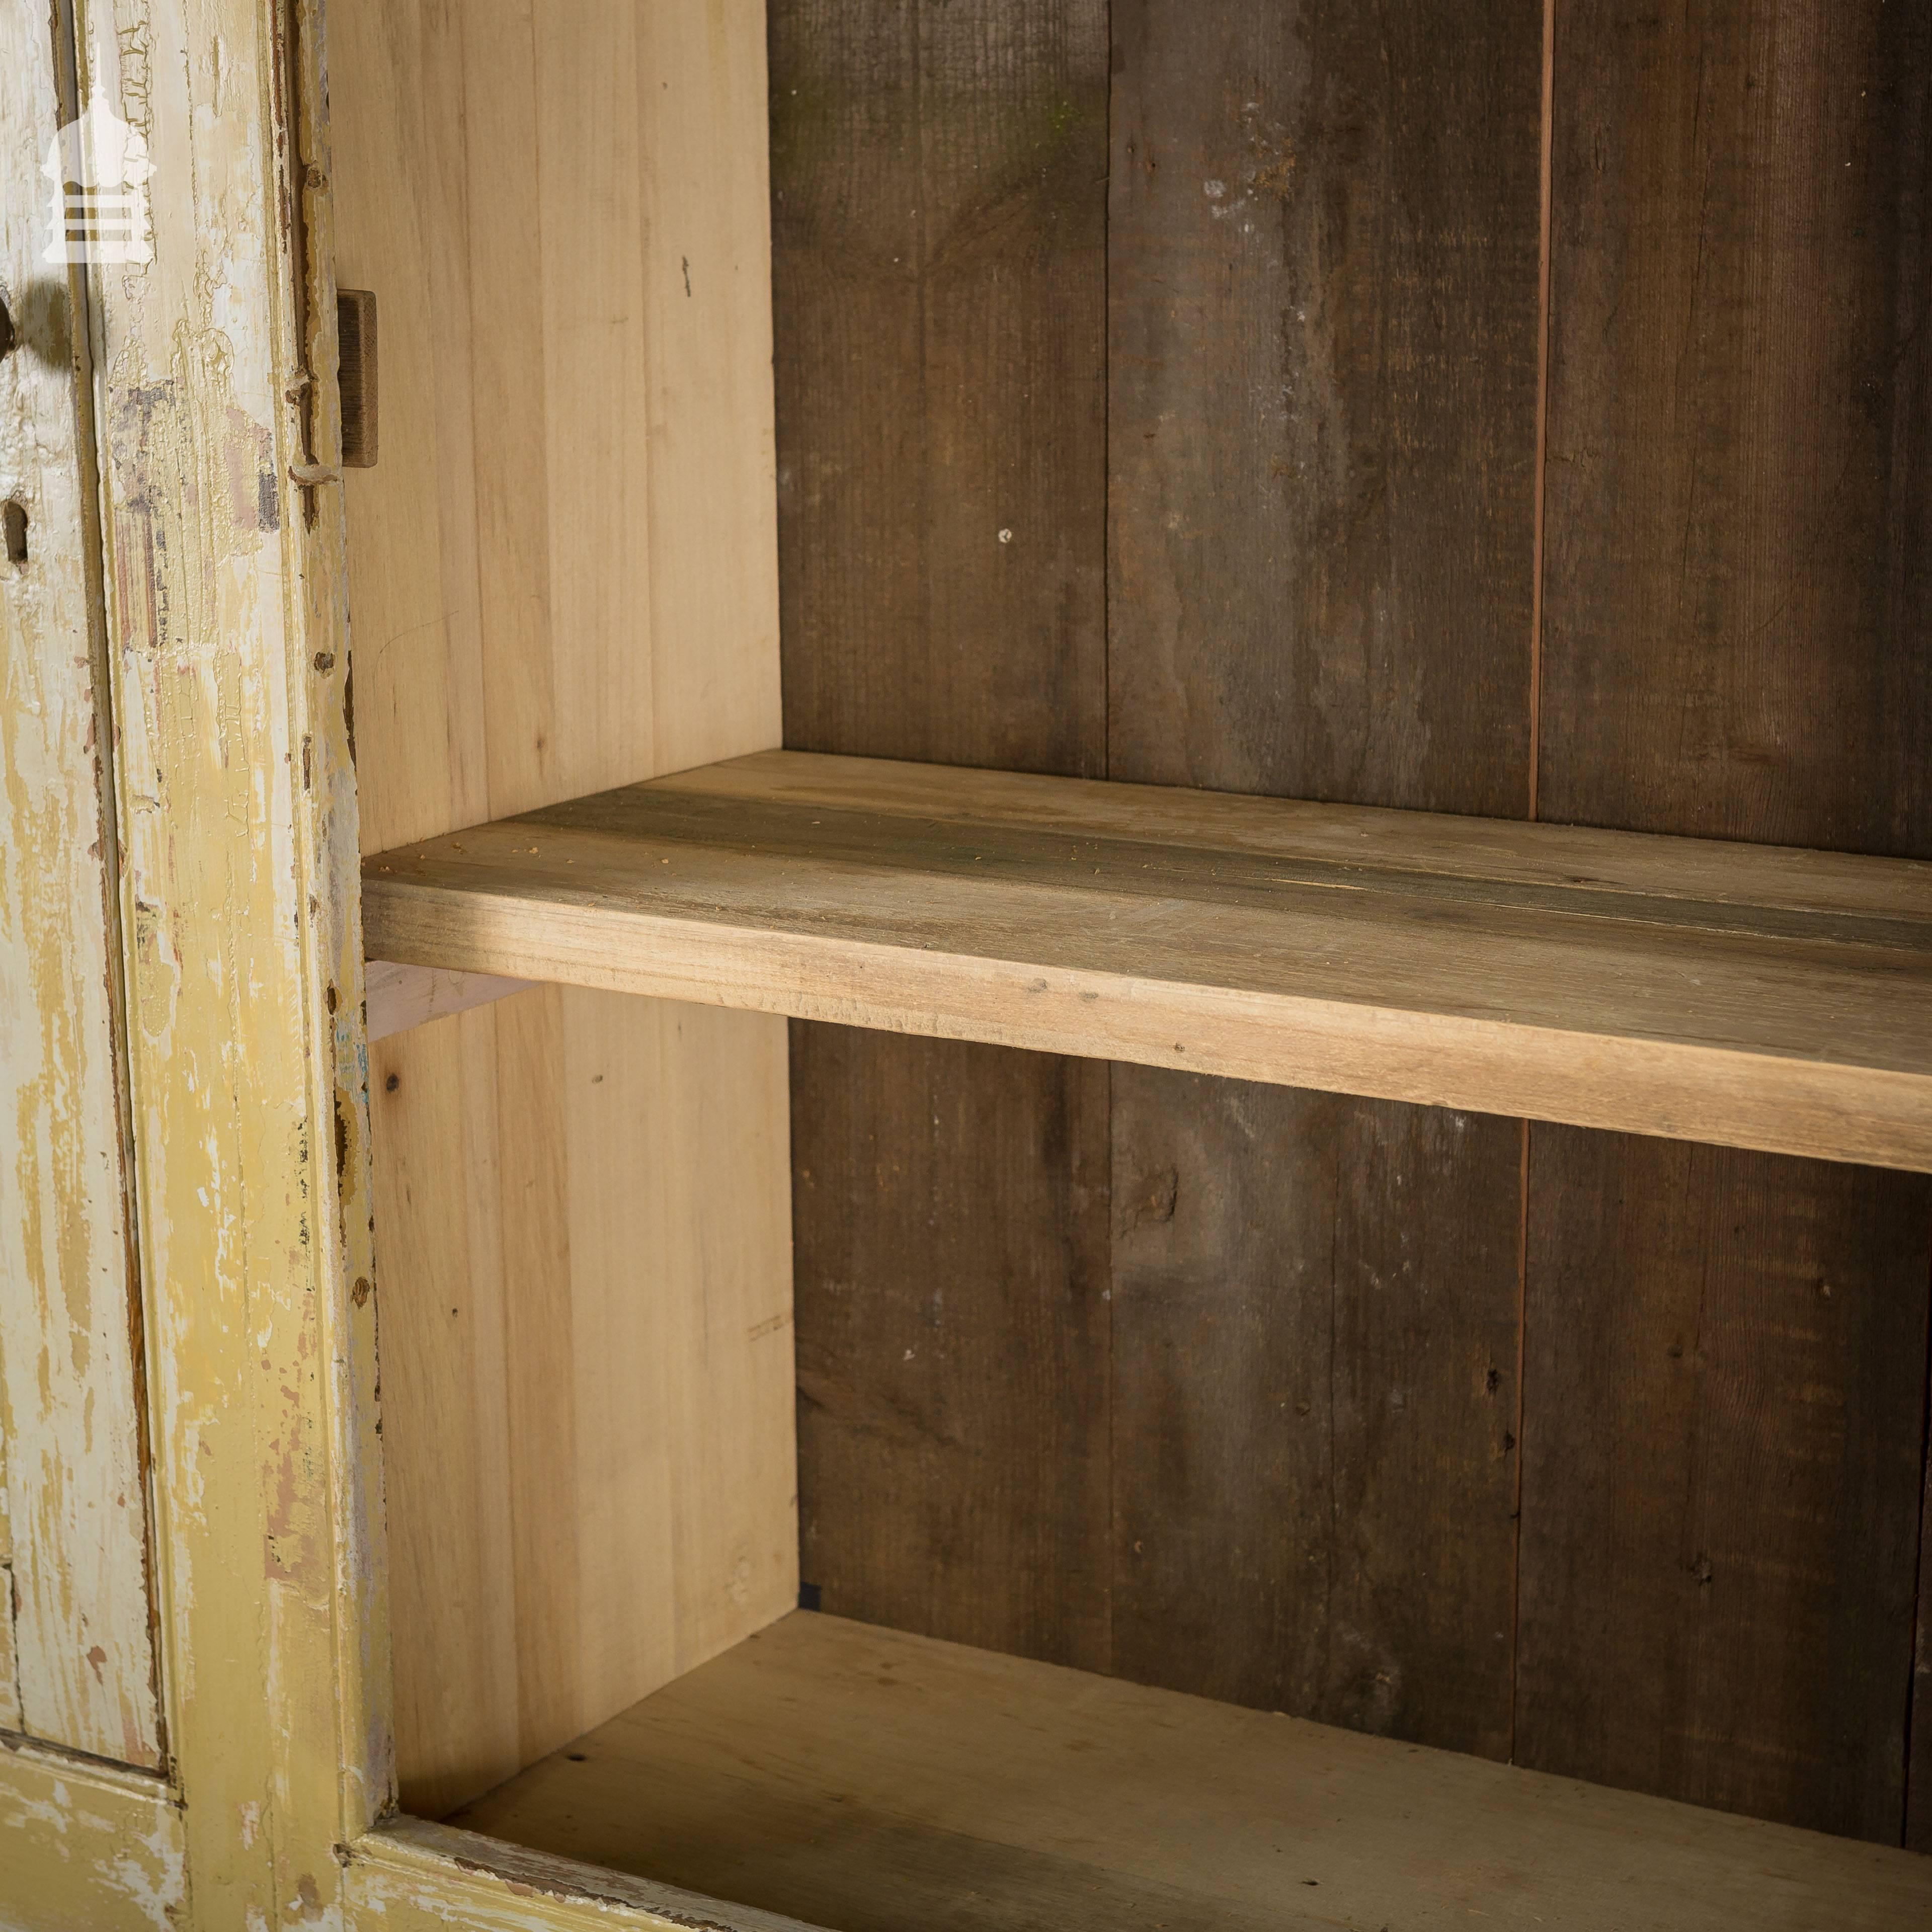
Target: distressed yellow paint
<point>214,370</point>
<point>415,1877</point>
<point>86,1845</point>
<point>77,1665</point>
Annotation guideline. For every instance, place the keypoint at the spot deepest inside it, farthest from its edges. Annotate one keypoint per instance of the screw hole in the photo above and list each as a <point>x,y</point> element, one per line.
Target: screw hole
<point>14,517</point>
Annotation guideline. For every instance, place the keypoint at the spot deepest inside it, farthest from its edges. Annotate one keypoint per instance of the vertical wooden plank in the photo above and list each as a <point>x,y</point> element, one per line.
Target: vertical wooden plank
<point>76,1660</point>
<point>1322,318</point>
<point>563,578</point>
<point>587,1367</point>
<point>724,1361</point>
<point>939,276</point>
<point>1315,1404</point>
<point>1738,614</point>
<point>1918,1744</point>
<point>1736,645</point>
<point>540,1413</point>
<point>702,102</point>
<point>938,200</point>
<point>1724,1466</point>
<point>433,1100</point>
<point>953,1341</point>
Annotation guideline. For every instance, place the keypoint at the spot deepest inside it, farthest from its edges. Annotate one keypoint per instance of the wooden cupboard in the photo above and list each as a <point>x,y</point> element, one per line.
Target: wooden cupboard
<point>1139,1125</point>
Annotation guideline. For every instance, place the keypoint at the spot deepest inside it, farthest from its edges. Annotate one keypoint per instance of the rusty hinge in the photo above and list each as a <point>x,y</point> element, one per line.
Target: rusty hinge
<point>355,332</point>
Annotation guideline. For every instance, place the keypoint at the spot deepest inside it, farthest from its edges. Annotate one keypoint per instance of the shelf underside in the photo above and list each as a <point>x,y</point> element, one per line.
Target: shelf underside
<point>860,1779</point>
<point>1751,996</point>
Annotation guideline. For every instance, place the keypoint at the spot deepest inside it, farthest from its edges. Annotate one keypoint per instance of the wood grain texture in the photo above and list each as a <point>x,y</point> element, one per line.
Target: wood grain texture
<point>564,574</point>
<point>1723,1469</point>
<point>939,201</point>
<point>76,1658</point>
<point>939,272</point>
<point>1765,1026</point>
<point>587,1366</point>
<point>1315,1404</point>
<point>402,996</point>
<point>798,1773</point>
<point>1738,630</point>
<point>953,1341</point>
<point>452,1590</point>
<point>566,553</point>
<point>1735,644</point>
<point>1322,326</point>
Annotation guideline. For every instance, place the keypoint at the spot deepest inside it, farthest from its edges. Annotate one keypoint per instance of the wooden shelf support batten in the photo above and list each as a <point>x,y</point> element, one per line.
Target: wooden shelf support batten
<point>1741,995</point>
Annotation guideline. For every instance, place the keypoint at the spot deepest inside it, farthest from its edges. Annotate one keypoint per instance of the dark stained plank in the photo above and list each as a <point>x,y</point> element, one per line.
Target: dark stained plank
<point>1323,322</point>
<point>1737,643</point>
<point>1725,1363</point>
<point>951,1263</point>
<point>1323,250</point>
<point>939,211</point>
<point>1738,618</point>
<point>1918,1766</point>
<point>939,206</point>
<point>1315,1403</point>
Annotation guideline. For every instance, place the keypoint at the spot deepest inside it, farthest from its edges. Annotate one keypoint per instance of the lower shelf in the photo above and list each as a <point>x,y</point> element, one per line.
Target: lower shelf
<point>863,1779</point>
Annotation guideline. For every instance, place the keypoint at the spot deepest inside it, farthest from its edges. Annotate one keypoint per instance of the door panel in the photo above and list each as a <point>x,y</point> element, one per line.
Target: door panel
<point>76,1658</point>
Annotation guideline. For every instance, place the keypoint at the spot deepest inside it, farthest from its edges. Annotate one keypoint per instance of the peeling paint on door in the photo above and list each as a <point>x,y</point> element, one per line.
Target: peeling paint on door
<point>76,1661</point>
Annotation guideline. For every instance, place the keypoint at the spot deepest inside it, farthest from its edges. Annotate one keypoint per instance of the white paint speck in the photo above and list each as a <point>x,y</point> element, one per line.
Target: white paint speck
<point>1214,190</point>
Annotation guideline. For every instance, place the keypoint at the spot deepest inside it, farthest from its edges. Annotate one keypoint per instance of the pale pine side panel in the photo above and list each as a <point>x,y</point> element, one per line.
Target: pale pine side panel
<point>563,576</point>
<point>76,1661</point>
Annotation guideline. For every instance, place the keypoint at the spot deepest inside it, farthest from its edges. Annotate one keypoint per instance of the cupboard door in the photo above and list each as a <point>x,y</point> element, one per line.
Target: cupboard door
<point>77,1656</point>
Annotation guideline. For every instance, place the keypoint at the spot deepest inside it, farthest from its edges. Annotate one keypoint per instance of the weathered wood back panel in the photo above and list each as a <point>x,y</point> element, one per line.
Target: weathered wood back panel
<point>1322,309</point>
<point>939,211</point>
<point>1725,1354</point>
<point>1325,250</point>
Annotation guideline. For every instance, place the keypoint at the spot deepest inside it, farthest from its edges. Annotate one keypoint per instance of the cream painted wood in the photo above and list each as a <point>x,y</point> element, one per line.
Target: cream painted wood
<point>77,1658</point>
<point>563,575</point>
<point>215,385</point>
<point>86,1845</point>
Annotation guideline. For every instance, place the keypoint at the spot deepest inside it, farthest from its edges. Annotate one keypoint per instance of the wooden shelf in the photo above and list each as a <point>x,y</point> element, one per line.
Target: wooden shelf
<point>1747,995</point>
<point>869,1781</point>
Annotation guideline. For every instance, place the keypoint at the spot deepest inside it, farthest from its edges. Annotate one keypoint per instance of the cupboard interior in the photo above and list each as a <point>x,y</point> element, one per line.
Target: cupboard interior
<point>565,577</point>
